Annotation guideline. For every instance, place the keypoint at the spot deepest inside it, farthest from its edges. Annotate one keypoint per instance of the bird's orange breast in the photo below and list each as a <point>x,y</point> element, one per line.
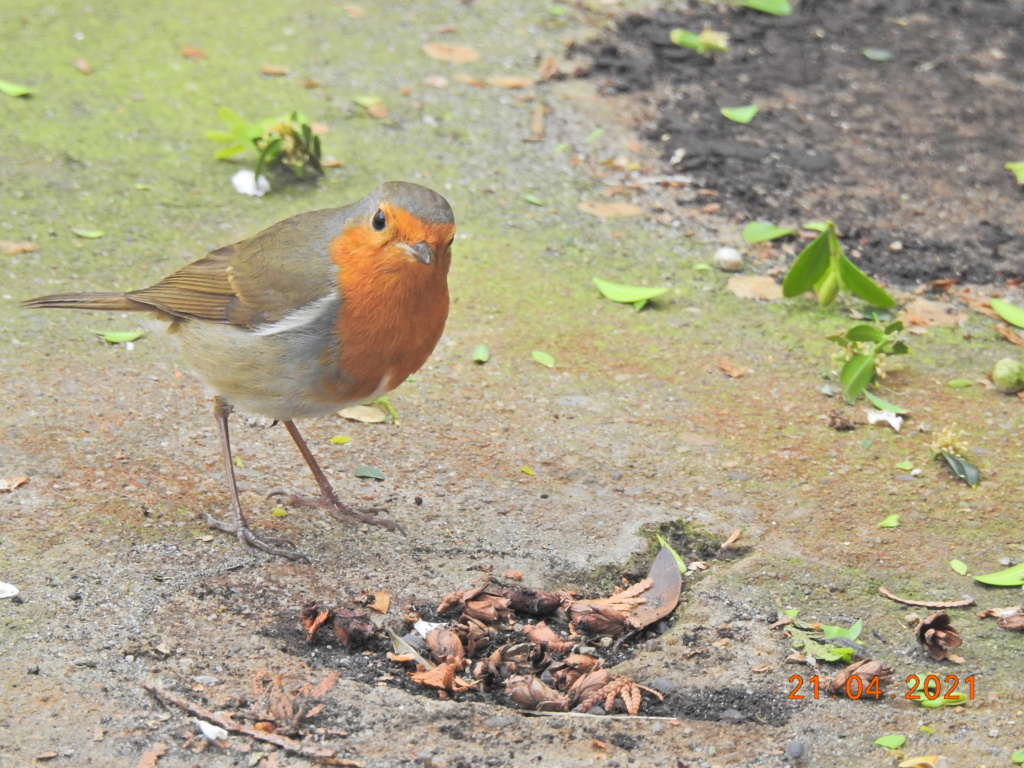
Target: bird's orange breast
<point>393,308</point>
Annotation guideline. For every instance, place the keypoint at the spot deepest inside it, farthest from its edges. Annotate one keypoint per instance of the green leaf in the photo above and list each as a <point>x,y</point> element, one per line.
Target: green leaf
<point>761,232</point>
<point>956,700</point>
<point>89,234</point>
<point>885,405</point>
<point>740,114</point>
<point>341,439</point>
<point>1011,577</point>
<point>533,199</point>
<point>369,472</point>
<point>13,89</point>
<point>962,468</point>
<point>863,286</point>
<point>367,100</point>
<point>808,267</point>
<point>959,383</point>
<point>119,337</point>
<point>527,471</point>
<point>680,563</point>
<point>702,265</point>
<point>1012,314</point>
<point>594,135</point>
<point>279,512</point>
<point>891,741</point>
<point>852,632</point>
<point>481,354</point>
<point>892,521</point>
<point>1018,757</point>
<point>816,226</point>
<point>543,358</point>
<point>685,38</point>
<point>774,7</point>
<point>877,54</point>
<point>906,466</point>
<point>855,376</point>
<point>1017,169</point>
<point>958,566</point>
<point>627,294</point>
<point>865,332</point>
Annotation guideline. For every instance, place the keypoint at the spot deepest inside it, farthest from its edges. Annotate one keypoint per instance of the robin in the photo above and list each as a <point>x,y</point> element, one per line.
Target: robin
<point>320,311</point>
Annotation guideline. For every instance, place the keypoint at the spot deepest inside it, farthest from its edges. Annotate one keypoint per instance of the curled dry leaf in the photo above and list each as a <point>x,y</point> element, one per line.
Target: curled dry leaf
<point>612,210</point>
<point>938,637</point>
<point>514,575</point>
<point>838,421</point>
<point>446,647</point>
<point>730,369</point>
<point>474,633</point>
<point>274,70</point>
<point>926,313</point>
<point>570,669</point>
<point>531,693</point>
<point>443,676</point>
<point>662,597</point>
<point>927,603</point>
<point>587,687</point>
<point>541,634</point>
<point>436,81</point>
<point>353,629</point>
<point>548,68</point>
<point>8,484</point>
<point>758,287</point>
<point>195,54</point>
<point>313,616</point>
<point>511,82</point>
<point>478,604</point>
<point>867,670</point>
<point>455,54</point>
<point>82,65</point>
<point>12,248</point>
<point>536,601</point>
<point>1011,618</point>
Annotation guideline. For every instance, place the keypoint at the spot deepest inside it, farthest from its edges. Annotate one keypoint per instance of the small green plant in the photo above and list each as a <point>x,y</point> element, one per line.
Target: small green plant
<point>865,349</point>
<point>823,266</point>
<point>774,7</point>
<point>1017,169</point>
<point>288,141</point>
<point>707,43</point>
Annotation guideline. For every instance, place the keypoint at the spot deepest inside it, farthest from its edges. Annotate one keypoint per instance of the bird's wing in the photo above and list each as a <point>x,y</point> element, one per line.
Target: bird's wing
<point>256,281</point>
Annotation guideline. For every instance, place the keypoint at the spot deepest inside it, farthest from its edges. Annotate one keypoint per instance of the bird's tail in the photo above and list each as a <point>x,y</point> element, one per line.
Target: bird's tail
<point>113,302</point>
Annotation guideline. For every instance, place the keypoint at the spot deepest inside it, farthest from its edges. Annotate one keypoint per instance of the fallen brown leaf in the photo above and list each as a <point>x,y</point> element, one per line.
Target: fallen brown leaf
<point>476,82</point>
<point>11,248</point>
<point>8,484</point>
<point>192,53</point>
<point>436,81</point>
<point>730,369</point>
<point>927,313</point>
<point>514,575</point>
<point>866,670</point>
<point>354,11</point>
<point>838,421</point>
<point>446,647</point>
<point>1011,618</point>
<point>531,693</point>
<point>443,676</point>
<point>274,70</point>
<point>615,210</point>
<point>548,68</point>
<point>758,287</point>
<point>541,634</point>
<point>1009,335</point>
<point>148,758</point>
<point>455,54</point>
<point>538,118</point>
<point>82,65</point>
<point>313,616</point>
<point>511,82</point>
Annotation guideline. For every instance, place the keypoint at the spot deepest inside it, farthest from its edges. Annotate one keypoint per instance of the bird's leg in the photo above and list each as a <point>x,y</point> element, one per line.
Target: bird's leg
<point>328,499</point>
<point>221,410</point>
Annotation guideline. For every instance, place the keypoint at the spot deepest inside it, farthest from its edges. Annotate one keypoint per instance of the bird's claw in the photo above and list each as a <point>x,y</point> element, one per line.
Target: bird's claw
<point>272,545</point>
<point>339,510</point>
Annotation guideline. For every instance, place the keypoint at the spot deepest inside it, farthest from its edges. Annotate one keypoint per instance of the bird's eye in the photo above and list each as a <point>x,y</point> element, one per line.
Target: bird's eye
<point>379,221</point>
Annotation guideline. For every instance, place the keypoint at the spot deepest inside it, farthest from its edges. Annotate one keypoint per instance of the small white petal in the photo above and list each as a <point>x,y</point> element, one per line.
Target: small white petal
<point>245,181</point>
<point>211,731</point>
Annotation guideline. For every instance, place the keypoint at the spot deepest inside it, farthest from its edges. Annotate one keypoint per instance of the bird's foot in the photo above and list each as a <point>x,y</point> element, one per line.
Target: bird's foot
<point>339,510</point>
<point>272,545</point>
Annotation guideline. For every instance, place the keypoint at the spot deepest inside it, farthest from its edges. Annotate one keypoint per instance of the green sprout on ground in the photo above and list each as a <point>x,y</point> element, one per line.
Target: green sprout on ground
<point>823,266</point>
<point>707,43</point>
<point>865,349</point>
<point>286,141</point>
<point>1017,169</point>
<point>774,7</point>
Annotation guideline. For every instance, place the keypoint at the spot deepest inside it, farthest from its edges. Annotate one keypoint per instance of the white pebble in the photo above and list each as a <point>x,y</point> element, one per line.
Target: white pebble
<point>728,259</point>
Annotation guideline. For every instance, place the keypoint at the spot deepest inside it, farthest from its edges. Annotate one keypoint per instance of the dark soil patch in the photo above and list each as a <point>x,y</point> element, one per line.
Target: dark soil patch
<point>905,155</point>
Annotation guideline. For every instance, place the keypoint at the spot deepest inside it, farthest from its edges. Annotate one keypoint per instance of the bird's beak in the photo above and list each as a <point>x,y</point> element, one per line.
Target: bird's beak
<point>420,251</point>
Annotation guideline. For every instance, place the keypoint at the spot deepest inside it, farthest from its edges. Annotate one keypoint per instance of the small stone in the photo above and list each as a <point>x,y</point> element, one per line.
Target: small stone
<point>32,669</point>
<point>794,750</point>
<point>728,259</point>
<point>664,686</point>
